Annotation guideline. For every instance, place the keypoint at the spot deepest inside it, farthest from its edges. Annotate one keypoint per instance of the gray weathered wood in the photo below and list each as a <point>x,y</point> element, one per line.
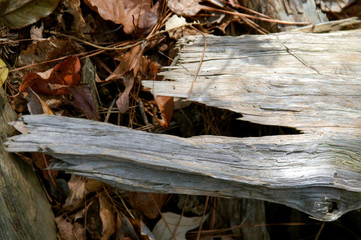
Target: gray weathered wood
<point>319,174</point>
<point>307,81</point>
<point>25,212</point>
<point>302,80</point>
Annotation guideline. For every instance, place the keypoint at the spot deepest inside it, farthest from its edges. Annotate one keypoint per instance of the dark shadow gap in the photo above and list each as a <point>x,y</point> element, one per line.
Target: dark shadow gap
<point>199,119</point>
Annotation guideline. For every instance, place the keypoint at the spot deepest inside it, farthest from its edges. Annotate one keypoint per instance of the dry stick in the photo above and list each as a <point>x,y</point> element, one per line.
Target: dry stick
<point>320,230</point>
<point>202,219</point>
<point>254,17</point>
<point>255,26</point>
<point>252,11</point>
<point>200,62</point>
<point>182,214</point>
<point>115,206</point>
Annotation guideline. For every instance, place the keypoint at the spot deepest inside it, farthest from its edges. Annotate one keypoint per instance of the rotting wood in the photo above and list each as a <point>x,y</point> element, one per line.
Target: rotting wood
<point>317,174</point>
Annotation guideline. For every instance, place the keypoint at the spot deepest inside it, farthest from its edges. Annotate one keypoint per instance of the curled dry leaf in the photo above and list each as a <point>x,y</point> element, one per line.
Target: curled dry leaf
<point>136,16</point>
<point>36,105</point>
<point>62,75</point>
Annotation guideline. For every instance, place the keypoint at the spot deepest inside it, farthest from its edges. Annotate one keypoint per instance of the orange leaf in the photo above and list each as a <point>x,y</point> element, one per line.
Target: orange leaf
<point>65,73</point>
<point>166,106</point>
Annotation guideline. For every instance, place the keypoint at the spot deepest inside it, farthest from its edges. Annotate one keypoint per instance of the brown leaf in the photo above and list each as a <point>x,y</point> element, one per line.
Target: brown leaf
<point>77,192</point>
<point>65,73</point>
<point>47,50</point>
<point>94,223</point>
<point>144,203</point>
<point>83,99</point>
<point>79,188</point>
<point>36,105</point>
<point>186,8</point>
<point>123,99</point>
<point>65,228</point>
<point>166,107</point>
<point>135,15</point>
<point>42,161</point>
<point>79,231</point>
<point>107,216</point>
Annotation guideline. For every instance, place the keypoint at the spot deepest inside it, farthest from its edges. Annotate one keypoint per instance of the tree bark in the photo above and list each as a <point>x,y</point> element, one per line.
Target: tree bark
<point>25,212</point>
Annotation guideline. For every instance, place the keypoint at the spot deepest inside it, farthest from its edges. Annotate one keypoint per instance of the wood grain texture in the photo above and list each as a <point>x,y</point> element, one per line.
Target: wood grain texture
<point>302,80</point>
<point>318,174</point>
<point>25,212</point>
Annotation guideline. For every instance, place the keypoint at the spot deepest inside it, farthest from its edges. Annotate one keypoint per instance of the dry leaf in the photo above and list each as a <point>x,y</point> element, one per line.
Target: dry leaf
<point>94,223</point>
<point>178,225</point>
<point>79,231</point>
<point>136,16</point>
<point>36,33</point>
<point>36,105</point>
<point>63,74</point>
<point>123,99</point>
<point>83,99</point>
<point>42,161</point>
<point>166,106</point>
<point>65,228</point>
<point>4,71</point>
<point>77,192</point>
<point>45,50</point>
<point>107,216</point>
<point>186,8</point>
<point>143,202</point>
<point>18,14</point>
<point>134,60</point>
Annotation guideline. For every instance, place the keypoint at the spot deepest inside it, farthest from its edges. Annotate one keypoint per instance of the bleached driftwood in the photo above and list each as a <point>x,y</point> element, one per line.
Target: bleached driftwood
<point>306,81</point>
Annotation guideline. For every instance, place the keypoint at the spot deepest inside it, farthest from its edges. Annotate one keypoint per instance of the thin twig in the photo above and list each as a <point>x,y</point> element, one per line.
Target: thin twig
<point>94,45</point>
<point>254,17</point>
<point>320,230</point>
<point>202,219</point>
<point>200,62</point>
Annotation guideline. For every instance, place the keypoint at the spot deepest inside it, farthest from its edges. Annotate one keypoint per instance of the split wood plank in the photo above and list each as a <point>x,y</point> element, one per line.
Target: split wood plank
<point>302,80</point>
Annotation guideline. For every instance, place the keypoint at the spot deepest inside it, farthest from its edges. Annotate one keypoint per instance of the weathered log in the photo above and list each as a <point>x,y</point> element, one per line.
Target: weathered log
<point>25,212</point>
<point>317,174</point>
<point>307,81</point>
